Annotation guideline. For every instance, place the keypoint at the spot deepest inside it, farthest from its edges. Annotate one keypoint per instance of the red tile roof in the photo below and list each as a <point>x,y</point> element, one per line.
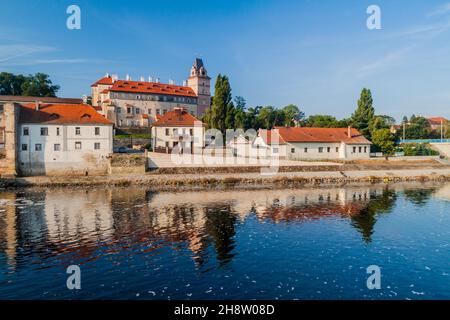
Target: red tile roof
<point>152,87</point>
<point>176,118</point>
<point>436,120</point>
<point>307,134</point>
<point>105,81</point>
<point>61,114</point>
<point>27,99</point>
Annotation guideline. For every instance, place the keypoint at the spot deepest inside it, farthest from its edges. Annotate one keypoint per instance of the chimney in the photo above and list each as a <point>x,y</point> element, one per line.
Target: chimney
<point>128,78</point>
<point>349,132</point>
<point>184,83</point>
<point>142,79</point>
<point>150,79</point>
<point>157,80</point>
<point>37,105</point>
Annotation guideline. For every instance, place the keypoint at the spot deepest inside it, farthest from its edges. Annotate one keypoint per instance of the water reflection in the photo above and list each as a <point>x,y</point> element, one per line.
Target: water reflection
<point>47,223</point>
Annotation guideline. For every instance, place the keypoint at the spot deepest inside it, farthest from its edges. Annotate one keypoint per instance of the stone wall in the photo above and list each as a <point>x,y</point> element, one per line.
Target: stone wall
<point>128,164</point>
<point>130,142</point>
<point>9,121</point>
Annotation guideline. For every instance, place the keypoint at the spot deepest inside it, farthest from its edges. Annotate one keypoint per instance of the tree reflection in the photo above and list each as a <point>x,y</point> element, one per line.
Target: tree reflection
<point>419,197</point>
<point>220,226</point>
<point>365,221</point>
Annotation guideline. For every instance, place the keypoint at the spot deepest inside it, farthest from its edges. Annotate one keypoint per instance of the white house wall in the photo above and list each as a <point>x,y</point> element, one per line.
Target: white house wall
<point>68,160</point>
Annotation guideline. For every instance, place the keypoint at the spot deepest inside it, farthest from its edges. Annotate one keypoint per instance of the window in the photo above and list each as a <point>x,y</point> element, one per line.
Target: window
<point>365,149</point>
<point>97,146</point>
<point>57,147</point>
<point>306,150</point>
<point>97,131</point>
<point>118,110</point>
<point>129,110</point>
<point>174,131</point>
<point>158,111</point>
<point>167,144</point>
<point>360,149</point>
<point>57,131</point>
<point>191,132</point>
<point>44,131</point>
<point>337,149</point>
<point>149,111</point>
<point>77,131</point>
<point>320,149</point>
<point>138,110</point>
<point>164,111</point>
<point>26,131</point>
<point>292,150</point>
<point>167,132</point>
<point>354,149</point>
<point>328,149</point>
<point>78,145</point>
<point>24,147</point>
<point>275,150</point>
<point>38,147</point>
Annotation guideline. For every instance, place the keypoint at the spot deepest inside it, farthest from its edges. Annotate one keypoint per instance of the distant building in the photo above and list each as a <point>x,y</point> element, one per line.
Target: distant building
<point>178,128</point>
<point>436,122</point>
<point>138,103</point>
<point>54,138</point>
<point>314,143</point>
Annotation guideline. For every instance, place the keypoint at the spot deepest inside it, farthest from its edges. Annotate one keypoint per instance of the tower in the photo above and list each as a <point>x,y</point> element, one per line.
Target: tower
<point>201,84</point>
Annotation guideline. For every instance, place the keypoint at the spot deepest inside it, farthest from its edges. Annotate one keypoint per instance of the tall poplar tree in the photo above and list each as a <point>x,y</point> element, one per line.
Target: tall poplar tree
<point>364,114</point>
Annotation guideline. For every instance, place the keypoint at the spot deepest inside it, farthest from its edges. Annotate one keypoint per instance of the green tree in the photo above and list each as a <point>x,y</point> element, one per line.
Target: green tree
<point>418,128</point>
<point>39,85</point>
<point>10,84</point>
<point>385,141</point>
<point>239,113</point>
<point>381,122</point>
<point>364,114</point>
<point>252,118</point>
<point>321,121</point>
<point>292,115</point>
<point>221,106</point>
<point>267,117</point>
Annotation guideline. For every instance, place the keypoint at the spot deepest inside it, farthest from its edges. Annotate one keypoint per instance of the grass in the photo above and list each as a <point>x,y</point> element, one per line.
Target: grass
<point>133,136</point>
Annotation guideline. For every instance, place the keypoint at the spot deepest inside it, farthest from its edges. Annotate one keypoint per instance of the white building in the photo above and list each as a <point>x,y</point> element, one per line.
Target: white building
<point>138,103</point>
<point>63,139</point>
<point>178,128</point>
<point>305,143</point>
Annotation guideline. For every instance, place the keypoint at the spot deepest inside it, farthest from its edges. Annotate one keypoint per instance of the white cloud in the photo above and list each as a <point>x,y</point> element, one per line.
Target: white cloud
<point>10,52</point>
<point>387,61</point>
<point>439,11</point>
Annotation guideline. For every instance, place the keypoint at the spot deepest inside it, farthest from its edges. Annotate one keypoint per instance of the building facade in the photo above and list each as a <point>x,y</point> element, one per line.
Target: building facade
<point>62,139</point>
<point>178,128</point>
<point>10,107</point>
<point>129,103</point>
<point>313,143</point>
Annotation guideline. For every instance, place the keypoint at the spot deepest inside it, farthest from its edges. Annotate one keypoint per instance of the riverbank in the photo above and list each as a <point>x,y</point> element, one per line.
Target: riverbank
<point>252,180</point>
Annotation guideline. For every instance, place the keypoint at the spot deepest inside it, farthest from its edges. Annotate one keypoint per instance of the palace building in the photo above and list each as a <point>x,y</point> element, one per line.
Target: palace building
<point>129,103</point>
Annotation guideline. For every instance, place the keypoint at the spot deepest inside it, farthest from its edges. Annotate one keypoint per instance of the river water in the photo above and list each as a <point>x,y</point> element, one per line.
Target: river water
<point>311,243</point>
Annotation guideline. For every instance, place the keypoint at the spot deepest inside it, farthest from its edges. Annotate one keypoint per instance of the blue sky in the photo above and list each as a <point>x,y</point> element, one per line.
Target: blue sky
<point>316,54</point>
